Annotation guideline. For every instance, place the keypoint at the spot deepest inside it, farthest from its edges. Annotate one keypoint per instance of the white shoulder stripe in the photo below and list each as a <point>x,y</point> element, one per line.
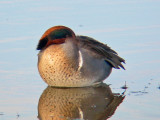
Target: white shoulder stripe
<point>80,60</point>
<point>81,113</point>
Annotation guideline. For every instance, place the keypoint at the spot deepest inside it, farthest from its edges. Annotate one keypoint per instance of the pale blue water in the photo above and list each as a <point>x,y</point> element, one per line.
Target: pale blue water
<point>131,28</point>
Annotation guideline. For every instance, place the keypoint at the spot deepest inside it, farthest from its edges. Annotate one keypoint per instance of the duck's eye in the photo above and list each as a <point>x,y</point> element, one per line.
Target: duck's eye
<point>60,33</point>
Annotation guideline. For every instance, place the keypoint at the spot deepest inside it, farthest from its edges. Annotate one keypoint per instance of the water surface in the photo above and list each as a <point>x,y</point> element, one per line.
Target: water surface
<point>129,27</point>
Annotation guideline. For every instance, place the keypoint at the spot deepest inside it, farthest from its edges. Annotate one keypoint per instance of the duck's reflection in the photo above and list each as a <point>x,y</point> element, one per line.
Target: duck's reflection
<point>90,103</point>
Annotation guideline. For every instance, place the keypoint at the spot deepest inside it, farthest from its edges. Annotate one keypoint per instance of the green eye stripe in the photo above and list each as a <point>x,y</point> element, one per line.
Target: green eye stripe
<point>60,33</point>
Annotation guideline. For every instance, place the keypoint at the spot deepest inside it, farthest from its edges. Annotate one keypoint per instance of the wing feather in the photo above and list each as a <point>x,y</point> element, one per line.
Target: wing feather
<point>101,49</point>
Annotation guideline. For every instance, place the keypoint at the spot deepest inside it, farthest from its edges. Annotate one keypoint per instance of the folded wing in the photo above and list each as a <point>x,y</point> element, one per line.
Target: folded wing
<point>101,49</point>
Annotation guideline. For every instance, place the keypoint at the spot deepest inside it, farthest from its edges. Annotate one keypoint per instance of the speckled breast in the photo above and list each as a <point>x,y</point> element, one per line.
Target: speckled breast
<point>57,68</point>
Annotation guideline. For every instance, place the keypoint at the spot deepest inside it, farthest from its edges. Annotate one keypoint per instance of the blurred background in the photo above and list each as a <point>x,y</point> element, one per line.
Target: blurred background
<point>130,27</point>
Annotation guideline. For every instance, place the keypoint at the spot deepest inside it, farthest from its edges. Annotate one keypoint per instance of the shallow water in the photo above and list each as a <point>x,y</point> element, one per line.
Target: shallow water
<point>131,28</point>
<point>78,103</point>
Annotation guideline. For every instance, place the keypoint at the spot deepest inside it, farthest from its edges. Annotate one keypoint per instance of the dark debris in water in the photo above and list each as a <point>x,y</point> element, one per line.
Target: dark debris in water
<point>139,92</point>
<point>18,115</point>
<point>146,87</point>
<point>144,91</point>
<point>1,113</point>
<point>124,86</point>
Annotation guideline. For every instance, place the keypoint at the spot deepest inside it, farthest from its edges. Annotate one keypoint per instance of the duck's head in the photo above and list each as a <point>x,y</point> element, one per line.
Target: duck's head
<point>55,35</point>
